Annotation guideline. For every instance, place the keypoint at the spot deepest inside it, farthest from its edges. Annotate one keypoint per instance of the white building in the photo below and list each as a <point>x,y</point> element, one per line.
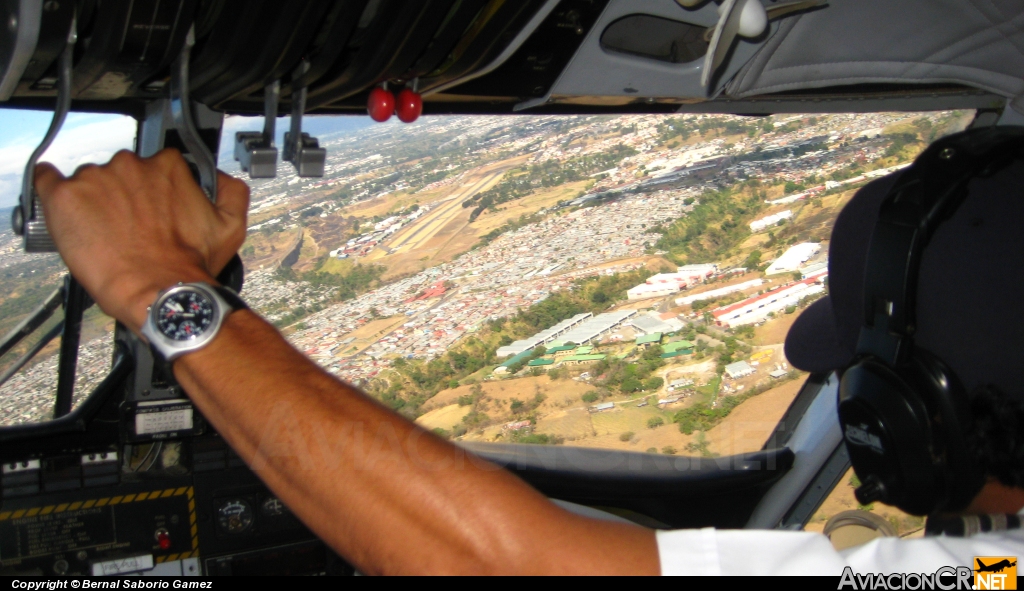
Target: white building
<point>646,290</point>
<point>702,270</point>
<point>738,370</point>
<point>596,326</point>
<point>714,293</point>
<point>544,336</point>
<point>793,259</point>
<point>770,220</point>
<point>664,284</point>
<point>757,308</point>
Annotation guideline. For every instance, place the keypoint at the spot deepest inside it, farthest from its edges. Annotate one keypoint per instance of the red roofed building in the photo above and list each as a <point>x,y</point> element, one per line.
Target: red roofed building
<point>757,308</point>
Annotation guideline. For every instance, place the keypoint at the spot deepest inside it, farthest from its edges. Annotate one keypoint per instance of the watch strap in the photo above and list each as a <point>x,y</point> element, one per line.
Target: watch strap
<point>230,296</point>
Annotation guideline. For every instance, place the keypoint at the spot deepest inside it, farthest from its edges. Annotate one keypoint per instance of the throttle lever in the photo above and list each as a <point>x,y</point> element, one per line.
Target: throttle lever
<point>27,219</point>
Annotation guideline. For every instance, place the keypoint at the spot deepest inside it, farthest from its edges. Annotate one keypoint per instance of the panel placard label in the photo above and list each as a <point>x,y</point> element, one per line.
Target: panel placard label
<point>149,421</point>
<point>53,533</point>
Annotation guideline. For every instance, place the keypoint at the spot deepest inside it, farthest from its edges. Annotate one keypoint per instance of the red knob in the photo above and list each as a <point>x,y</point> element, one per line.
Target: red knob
<point>410,105</point>
<point>164,540</point>
<point>381,104</point>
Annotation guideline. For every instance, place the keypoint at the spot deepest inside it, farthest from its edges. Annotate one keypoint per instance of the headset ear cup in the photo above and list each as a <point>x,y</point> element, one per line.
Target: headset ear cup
<point>949,410</point>
<point>887,432</point>
<point>905,430</point>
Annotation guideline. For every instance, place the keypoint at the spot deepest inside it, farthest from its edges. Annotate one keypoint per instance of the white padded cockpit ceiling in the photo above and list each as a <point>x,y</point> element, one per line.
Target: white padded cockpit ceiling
<point>978,43</point>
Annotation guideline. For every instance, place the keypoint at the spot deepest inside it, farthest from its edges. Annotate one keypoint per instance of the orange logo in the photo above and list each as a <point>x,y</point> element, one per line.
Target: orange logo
<point>995,572</point>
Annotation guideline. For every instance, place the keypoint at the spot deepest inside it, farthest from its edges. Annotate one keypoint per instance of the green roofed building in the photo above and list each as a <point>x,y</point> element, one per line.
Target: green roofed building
<point>560,349</point>
<point>677,346</point>
<point>648,339</point>
<point>584,350</point>
<point>512,361</point>
<point>540,361</point>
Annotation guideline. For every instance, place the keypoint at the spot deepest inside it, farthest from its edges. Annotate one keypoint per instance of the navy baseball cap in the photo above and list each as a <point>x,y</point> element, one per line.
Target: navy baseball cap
<point>970,301</point>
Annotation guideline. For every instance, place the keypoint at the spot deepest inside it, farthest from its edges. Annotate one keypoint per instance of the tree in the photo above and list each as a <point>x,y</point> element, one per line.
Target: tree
<point>655,422</point>
<point>516,406</point>
<point>652,352</point>
<point>630,384</point>
<point>753,260</point>
<point>792,187</point>
<point>653,383</point>
<point>668,450</point>
<point>589,397</point>
<point>626,436</point>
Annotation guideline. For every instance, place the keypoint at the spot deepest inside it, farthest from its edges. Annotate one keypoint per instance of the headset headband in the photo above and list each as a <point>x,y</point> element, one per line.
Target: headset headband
<point>926,194</point>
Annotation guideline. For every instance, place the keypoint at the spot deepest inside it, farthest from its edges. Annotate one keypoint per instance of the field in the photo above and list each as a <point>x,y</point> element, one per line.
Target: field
<point>446,417</point>
<point>416,236</point>
<point>369,333</point>
<point>774,331</point>
<point>444,232</point>
<point>499,393</point>
<point>268,251</point>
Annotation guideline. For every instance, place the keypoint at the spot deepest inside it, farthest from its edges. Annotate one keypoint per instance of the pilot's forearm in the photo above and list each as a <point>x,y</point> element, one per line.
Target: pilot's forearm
<point>384,493</point>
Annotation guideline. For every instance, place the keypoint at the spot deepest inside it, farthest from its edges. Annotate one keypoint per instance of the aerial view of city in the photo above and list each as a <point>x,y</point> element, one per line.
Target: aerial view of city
<point>623,282</point>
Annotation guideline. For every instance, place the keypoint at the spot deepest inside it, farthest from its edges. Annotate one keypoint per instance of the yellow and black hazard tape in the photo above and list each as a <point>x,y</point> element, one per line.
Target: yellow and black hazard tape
<point>119,500</point>
<point>194,529</point>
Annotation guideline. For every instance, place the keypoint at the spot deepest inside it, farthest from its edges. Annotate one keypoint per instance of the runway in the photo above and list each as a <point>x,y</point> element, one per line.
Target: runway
<point>431,223</point>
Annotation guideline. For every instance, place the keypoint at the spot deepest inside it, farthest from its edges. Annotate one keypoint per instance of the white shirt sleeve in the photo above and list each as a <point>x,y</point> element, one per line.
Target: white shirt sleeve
<point>775,552</point>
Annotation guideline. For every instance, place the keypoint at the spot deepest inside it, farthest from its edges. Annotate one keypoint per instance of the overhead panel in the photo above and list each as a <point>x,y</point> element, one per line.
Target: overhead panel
<point>127,43</point>
<point>267,52</point>
<point>405,30</point>
<point>615,65</point>
<point>535,66</point>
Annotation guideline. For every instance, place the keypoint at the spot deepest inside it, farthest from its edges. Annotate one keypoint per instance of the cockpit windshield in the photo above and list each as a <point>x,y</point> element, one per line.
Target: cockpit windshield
<point>30,280</point>
<point>617,282</point>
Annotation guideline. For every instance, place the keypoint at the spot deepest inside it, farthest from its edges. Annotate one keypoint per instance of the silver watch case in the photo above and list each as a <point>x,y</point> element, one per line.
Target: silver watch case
<point>171,349</point>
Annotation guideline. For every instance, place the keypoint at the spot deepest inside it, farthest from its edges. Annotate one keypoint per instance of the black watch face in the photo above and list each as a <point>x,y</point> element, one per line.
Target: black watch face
<point>185,315</point>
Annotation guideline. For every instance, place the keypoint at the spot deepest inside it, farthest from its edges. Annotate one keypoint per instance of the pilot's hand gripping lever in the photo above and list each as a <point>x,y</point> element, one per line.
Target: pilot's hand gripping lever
<point>27,219</point>
<point>184,121</point>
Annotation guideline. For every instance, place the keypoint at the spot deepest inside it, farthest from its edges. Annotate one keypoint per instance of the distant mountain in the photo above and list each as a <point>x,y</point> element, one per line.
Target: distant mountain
<point>10,189</point>
<point>324,127</point>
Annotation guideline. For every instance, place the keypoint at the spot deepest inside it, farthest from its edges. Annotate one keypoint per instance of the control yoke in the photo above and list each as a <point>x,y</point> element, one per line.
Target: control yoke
<point>27,219</point>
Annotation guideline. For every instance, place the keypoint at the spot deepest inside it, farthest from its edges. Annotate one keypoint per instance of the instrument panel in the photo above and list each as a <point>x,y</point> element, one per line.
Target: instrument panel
<point>165,507</point>
<point>170,498</point>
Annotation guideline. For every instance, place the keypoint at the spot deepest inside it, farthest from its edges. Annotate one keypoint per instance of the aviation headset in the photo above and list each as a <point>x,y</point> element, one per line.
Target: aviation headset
<point>905,415</point>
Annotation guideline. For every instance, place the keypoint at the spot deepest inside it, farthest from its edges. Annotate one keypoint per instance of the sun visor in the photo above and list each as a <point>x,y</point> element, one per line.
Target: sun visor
<point>879,41</point>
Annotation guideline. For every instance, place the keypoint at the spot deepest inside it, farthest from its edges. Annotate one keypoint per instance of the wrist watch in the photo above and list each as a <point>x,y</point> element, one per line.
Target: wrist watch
<point>187,317</point>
